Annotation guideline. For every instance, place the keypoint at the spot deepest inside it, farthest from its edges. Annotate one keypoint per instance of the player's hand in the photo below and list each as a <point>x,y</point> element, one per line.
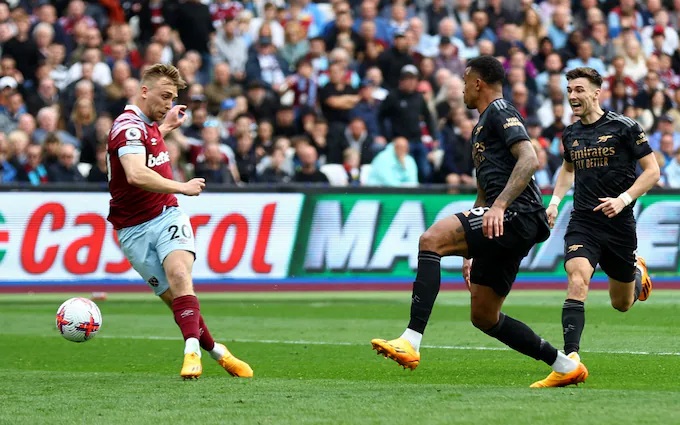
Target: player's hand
<point>492,223</point>
<point>610,206</point>
<point>551,211</point>
<point>467,267</point>
<point>193,187</point>
<point>175,117</point>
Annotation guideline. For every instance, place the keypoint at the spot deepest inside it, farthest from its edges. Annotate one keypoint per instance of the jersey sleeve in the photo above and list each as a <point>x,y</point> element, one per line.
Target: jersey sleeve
<point>509,125</point>
<point>128,140</point>
<point>566,135</point>
<point>636,140</point>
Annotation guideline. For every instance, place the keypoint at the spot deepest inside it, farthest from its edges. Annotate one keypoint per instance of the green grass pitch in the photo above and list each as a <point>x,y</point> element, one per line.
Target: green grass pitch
<point>314,365</point>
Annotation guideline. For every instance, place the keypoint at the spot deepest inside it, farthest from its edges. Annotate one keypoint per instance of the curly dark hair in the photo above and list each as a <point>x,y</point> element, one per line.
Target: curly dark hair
<point>489,69</point>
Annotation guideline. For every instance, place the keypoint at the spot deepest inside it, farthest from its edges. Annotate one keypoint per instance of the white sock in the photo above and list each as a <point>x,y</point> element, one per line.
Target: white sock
<point>413,337</point>
<point>218,351</point>
<point>563,364</point>
<point>191,345</point>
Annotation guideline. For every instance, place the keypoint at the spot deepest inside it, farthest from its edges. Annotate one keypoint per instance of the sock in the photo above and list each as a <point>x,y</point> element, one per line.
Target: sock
<point>573,322</point>
<point>206,340</point>
<point>218,351</point>
<point>187,314</point>
<point>563,364</point>
<point>413,337</point>
<point>191,345</point>
<point>638,283</point>
<point>521,338</point>
<point>425,289</point>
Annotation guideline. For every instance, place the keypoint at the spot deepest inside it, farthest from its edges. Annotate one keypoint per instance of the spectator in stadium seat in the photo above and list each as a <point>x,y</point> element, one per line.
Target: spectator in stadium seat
<point>18,141</point>
<point>296,46</point>
<point>221,88</point>
<point>262,103</point>
<point>448,57</point>
<point>368,12</point>
<point>82,125</point>
<point>48,119</point>
<point>231,47</point>
<point>342,28</point>
<point>603,48</point>
<point>266,65</point>
<point>22,48</point>
<point>274,173</point>
<point>99,171</point>
<point>672,172</point>
<point>391,61</point>
<point>664,126</point>
<point>636,66</point>
<point>308,171</point>
<point>434,13</point>
<point>193,23</point>
<point>470,37</point>
<point>367,109</point>
<point>626,8</point>
<point>45,12</point>
<point>277,34</point>
<point>285,122</point>
<point>33,171</point>
<point>481,20</point>
<point>65,170</point>
<point>8,173</point>
<point>14,108</point>
<point>214,169</point>
<point>456,167</point>
<point>46,94</point>
<point>393,166</point>
<point>245,156</point>
<point>356,137</point>
<point>585,58</point>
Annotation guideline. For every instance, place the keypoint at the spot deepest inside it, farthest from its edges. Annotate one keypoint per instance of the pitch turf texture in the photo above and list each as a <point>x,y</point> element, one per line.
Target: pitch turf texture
<point>313,363</point>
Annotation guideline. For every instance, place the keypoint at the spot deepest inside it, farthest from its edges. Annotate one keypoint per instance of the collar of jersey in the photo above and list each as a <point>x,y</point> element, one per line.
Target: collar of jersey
<point>136,110</point>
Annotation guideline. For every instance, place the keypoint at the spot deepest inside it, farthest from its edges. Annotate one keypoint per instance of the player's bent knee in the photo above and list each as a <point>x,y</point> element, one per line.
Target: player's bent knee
<point>429,241</point>
<point>482,320</point>
<point>179,279</point>
<point>622,304</point>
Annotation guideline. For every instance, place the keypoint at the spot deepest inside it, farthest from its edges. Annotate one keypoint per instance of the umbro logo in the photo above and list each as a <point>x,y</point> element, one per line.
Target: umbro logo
<point>154,141</point>
<point>573,248</point>
<point>603,139</point>
<point>187,313</point>
<point>573,145</point>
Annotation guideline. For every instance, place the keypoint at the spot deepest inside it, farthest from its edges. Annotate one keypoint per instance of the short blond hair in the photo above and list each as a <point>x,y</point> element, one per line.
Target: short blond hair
<point>162,70</point>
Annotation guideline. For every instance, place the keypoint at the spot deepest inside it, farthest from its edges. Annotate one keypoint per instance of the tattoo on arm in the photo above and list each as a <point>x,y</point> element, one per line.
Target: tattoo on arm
<point>527,164</point>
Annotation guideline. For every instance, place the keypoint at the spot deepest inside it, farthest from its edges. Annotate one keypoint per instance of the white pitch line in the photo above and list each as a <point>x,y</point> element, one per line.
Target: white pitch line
<point>441,347</point>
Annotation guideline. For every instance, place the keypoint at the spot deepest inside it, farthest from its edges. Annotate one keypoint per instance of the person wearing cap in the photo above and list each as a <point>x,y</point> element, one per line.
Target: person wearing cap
<point>266,65</point>
<point>392,60</point>
<point>664,126</point>
<point>405,109</point>
<point>448,57</point>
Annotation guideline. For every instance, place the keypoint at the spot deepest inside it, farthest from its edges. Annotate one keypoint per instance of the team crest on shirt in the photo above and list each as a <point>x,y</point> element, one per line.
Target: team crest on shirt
<point>603,139</point>
<point>478,130</point>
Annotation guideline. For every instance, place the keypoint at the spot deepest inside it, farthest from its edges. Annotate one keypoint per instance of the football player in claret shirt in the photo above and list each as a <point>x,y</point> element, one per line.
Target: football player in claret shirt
<point>154,234</point>
<point>507,220</point>
<point>601,152</point>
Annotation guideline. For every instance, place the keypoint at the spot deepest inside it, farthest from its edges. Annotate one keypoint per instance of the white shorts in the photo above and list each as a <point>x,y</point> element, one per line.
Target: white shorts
<point>146,245</point>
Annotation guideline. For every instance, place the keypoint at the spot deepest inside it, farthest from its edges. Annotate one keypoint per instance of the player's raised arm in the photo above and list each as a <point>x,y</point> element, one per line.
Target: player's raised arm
<point>137,174</point>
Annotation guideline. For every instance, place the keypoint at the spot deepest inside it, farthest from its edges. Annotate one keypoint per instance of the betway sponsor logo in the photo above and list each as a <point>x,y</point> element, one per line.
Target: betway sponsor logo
<point>155,161</point>
<point>370,238</point>
<point>67,236</point>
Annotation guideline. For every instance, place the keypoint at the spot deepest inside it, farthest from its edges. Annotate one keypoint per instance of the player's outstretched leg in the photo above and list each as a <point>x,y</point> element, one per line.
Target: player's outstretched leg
<point>439,240</point>
<point>219,352</point>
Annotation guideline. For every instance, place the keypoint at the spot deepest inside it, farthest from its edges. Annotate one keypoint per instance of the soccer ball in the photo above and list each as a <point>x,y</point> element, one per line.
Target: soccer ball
<point>78,319</point>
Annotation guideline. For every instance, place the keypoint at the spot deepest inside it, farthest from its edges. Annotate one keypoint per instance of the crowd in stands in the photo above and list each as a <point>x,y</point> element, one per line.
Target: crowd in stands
<point>351,92</point>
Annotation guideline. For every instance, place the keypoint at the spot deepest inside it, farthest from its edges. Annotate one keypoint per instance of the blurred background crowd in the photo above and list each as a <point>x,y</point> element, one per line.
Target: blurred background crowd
<point>351,92</point>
